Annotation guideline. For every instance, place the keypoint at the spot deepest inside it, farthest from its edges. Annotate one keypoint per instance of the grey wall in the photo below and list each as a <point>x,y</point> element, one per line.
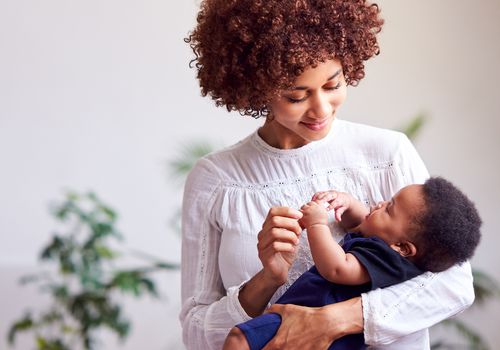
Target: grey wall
<point>98,95</point>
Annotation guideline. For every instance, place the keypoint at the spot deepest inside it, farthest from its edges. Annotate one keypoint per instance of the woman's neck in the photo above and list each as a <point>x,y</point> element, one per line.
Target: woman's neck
<point>277,136</point>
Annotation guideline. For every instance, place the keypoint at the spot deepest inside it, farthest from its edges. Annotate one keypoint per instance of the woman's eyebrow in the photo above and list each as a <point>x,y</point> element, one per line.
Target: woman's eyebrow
<point>305,87</point>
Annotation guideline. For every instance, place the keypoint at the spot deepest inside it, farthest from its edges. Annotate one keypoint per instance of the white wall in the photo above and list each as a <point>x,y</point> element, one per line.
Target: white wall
<point>98,95</point>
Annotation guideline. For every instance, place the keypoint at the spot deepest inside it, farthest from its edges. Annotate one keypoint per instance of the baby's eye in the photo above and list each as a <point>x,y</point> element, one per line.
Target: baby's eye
<point>387,207</point>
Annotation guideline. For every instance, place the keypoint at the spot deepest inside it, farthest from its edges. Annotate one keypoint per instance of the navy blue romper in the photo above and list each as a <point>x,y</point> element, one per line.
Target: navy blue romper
<point>385,268</point>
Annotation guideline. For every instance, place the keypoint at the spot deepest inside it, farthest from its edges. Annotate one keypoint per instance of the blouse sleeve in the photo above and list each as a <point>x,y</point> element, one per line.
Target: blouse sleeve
<point>208,310</point>
<point>398,311</point>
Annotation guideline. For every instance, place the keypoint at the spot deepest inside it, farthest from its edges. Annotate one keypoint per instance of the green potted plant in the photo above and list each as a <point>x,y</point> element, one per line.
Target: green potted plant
<point>85,282</point>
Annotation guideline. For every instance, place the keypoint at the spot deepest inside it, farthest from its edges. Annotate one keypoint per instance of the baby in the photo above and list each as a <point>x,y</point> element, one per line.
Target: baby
<point>427,227</point>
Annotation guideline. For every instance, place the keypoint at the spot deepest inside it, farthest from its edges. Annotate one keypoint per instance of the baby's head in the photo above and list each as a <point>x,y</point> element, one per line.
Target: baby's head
<point>435,225</point>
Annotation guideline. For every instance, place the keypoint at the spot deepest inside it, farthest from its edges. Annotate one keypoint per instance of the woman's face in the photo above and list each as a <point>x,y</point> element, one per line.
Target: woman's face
<point>305,112</point>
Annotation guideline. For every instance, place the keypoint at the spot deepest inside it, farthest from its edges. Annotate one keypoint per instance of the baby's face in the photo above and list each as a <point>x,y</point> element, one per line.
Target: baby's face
<point>391,220</point>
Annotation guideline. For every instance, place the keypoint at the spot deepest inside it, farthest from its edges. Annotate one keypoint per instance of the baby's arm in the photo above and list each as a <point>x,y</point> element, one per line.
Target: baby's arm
<point>349,211</point>
<point>331,261</point>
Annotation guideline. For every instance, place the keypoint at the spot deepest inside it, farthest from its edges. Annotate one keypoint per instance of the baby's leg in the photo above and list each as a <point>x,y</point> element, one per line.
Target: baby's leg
<point>236,340</point>
<point>253,334</point>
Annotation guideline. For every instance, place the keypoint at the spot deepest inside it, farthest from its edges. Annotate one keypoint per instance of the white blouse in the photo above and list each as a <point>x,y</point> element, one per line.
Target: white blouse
<point>227,197</point>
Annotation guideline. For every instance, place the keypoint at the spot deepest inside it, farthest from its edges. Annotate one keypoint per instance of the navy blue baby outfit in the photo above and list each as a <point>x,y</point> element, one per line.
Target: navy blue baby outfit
<point>385,268</point>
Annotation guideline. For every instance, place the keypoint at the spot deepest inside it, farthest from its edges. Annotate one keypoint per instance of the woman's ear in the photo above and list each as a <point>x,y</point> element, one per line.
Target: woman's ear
<point>405,248</point>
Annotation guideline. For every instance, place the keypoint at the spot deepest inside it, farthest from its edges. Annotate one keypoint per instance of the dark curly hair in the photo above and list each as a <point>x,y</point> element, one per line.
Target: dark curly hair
<point>246,51</point>
<point>448,227</point>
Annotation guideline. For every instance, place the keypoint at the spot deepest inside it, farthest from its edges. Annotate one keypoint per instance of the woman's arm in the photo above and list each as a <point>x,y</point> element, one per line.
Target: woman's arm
<point>423,301</point>
<point>208,310</point>
<point>393,312</point>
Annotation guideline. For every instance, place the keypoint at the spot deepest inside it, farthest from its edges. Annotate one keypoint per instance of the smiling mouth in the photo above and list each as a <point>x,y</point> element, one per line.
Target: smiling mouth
<point>316,126</point>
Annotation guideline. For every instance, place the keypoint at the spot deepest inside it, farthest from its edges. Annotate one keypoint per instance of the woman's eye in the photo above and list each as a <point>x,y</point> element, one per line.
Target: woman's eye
<point>333,87</point>
<point>296,100</point>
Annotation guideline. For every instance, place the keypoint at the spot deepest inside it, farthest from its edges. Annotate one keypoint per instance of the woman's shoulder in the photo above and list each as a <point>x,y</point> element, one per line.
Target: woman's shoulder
<point>368,144</point>
<point>362,136</point>
<point>218,164</point>
<point>366,133</point>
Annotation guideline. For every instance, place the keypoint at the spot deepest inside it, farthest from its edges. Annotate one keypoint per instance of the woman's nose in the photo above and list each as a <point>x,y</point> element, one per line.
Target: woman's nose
<point>322,107</point>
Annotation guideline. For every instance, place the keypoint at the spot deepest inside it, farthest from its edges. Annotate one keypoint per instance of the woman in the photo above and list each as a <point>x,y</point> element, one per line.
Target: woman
<point>291,62</point>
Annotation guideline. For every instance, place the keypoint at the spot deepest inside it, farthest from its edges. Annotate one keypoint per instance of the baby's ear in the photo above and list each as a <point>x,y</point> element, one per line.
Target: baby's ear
<point>405,248</point>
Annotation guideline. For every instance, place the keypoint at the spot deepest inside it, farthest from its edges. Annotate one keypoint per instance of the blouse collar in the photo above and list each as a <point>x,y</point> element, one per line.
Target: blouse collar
<point>264,147</point>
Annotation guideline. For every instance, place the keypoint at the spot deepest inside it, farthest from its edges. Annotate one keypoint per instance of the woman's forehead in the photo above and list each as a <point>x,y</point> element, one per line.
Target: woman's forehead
<point>319,75</point>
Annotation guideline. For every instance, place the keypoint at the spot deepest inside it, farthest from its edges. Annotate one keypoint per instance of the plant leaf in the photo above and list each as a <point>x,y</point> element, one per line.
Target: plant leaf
<point>413,128</point>
<point>188,156</point>
<point>24,324</point>
<point>485,286</point>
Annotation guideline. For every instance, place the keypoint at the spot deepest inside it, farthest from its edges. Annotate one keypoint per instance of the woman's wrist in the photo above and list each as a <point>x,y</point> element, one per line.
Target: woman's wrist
<point>345,317</point>
<point>256,293</point>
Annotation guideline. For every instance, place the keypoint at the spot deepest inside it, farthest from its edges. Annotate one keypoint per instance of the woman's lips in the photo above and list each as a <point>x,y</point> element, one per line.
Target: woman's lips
<point>316,126</point>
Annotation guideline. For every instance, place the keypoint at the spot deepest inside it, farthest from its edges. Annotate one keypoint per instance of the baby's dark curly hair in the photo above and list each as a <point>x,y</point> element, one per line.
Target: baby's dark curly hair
<point>246,51</point>
<point>448,228</point>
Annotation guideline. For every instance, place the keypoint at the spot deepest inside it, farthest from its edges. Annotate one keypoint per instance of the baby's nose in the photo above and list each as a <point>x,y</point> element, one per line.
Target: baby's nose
<point>376,206</point>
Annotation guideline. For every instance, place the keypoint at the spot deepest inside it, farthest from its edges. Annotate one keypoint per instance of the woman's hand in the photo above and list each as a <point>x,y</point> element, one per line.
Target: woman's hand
<point>277,247</point>
<point>277,243</point>
<point>308,328</point>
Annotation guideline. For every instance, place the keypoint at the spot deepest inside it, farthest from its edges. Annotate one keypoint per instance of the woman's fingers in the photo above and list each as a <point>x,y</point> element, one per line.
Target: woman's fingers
<point>269,253</point>
<point>302,328</point>
<point>285,212</point>
<point>283,222</point>
<point>277,242</point>
<point>275,308</point>
<point>275,234</point>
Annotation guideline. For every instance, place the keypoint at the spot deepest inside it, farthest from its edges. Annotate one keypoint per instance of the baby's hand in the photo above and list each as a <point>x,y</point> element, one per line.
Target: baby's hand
<point>314,213</point>
<point>338,201</point>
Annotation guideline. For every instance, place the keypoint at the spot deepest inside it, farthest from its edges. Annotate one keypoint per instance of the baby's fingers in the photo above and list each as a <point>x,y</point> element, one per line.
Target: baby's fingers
<point>339,212</point>
<point>326,196</point>
<point>335,204</point>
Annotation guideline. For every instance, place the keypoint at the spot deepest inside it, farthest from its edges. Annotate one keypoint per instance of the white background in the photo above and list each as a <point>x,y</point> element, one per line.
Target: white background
<point>98,95</point>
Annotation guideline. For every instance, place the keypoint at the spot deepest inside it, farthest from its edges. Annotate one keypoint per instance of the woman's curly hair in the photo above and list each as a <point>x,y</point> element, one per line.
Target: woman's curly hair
<point>246,51</point>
